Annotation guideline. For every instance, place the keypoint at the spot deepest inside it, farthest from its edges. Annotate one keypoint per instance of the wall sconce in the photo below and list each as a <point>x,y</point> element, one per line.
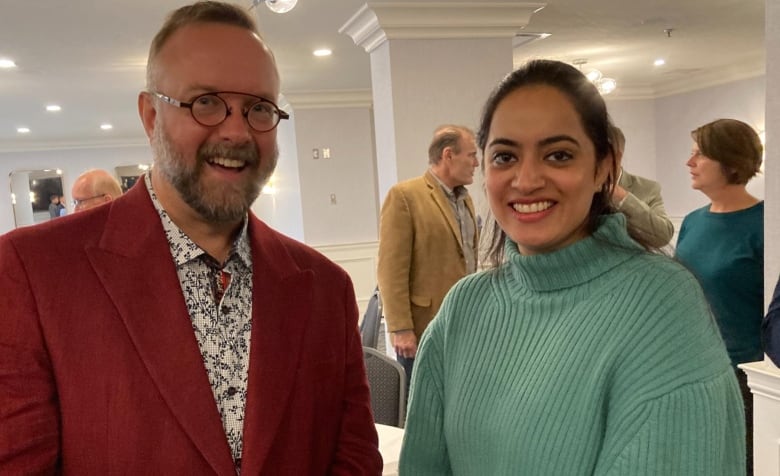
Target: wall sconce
<point>277,6</point>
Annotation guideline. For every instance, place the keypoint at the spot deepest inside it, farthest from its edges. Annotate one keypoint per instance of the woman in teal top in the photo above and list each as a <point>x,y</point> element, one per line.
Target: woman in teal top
<point>579,352</point>
<point>723,243</point>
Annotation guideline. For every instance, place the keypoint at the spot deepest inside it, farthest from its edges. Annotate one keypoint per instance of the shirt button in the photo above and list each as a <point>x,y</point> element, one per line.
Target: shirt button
<point>231,391</point>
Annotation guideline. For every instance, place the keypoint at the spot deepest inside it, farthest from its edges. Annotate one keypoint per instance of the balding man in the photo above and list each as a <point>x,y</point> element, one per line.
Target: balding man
<point>94,187</point>
<point>427,239</point>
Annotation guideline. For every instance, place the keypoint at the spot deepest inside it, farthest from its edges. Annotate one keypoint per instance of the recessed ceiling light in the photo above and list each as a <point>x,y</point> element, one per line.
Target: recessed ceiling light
<point>22,130</point>
<point>323,52</point>
<point>53,108</point>
<point>7,63</point>
<point>659,62</point>
<point>106,127</point>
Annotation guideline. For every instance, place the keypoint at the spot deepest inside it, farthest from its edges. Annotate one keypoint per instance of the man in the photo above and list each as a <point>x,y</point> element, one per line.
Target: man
<point>54,206</point>
<point>198,341</point>
<point>94,187</point>
<point>427,239</point>
<point>640,199</point>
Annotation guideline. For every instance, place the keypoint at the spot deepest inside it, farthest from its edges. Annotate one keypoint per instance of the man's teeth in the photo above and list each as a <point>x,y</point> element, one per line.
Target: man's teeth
<point>228,163</point>
<point>532,207</point>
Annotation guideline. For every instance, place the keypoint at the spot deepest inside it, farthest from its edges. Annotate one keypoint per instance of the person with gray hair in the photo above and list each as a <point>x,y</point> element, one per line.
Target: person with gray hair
<point>93,188</point>
<point>427,239</point>
<point>190,337</point>
<point>639,198</point>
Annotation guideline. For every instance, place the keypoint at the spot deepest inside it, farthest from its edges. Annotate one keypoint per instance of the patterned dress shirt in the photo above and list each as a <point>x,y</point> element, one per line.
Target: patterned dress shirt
<point>219,301</point>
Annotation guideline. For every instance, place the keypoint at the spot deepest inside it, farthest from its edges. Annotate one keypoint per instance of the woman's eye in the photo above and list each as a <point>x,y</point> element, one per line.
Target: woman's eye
<point>501,158</point>
<point>559,156</point>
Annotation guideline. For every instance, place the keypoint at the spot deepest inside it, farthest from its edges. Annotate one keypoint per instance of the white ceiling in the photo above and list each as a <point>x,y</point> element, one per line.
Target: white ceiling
<point>89,55</point>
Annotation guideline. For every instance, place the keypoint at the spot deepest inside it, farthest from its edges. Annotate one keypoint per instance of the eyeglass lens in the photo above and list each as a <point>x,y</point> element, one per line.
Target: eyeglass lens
<point>211,110</point>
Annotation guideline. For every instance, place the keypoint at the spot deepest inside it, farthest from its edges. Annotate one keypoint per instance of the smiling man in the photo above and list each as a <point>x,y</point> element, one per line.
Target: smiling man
<point>191,338</point>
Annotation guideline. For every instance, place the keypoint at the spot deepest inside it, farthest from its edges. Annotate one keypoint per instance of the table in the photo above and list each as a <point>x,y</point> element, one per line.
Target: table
<point>390,439</point>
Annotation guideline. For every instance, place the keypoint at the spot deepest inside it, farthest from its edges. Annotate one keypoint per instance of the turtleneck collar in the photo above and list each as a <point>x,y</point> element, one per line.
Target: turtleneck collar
<point>575,264</point>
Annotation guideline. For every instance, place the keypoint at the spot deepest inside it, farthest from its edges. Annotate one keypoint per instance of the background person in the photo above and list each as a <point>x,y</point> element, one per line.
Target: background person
<point>723,243</point>
<point>200,340</point>
<point>94,187</point>
<point>640,199</point>
<point>427,239</point>
<point>564,359</point>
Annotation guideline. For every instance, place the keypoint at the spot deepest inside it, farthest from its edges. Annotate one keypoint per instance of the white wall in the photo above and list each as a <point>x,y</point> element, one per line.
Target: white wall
<point>349,175</point>
<point>636,118</point>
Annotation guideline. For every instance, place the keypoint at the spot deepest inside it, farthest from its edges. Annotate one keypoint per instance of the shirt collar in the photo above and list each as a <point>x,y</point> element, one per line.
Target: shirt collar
<point>454,193</point>
<point>183,249</point>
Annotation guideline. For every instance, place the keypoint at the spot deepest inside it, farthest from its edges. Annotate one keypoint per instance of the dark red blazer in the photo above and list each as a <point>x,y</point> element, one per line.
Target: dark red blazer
<point>100,371</point>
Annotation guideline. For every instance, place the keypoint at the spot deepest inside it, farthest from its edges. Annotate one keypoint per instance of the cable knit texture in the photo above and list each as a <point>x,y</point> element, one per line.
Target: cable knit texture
<point>597,359</point>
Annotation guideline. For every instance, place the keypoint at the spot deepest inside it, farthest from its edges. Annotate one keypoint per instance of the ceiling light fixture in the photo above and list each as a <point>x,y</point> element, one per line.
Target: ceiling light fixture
<point>276,6</point>
<point>7,63</point>
<point>323,52</point>
<point>106,127</point>
<point>604,85</point>
<point>659,62</point>
<point>23,130</point>
<point>53,108</point>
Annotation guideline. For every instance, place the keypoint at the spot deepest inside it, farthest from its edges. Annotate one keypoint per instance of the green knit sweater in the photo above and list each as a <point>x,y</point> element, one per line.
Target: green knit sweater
<point>597,359</point>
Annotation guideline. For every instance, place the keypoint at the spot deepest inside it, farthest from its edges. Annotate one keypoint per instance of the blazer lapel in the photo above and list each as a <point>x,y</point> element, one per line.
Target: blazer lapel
<point>134,264</point>
<point>443,203</point>
<point>281,307</point>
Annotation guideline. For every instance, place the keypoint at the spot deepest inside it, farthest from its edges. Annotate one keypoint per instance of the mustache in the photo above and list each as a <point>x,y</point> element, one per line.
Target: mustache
<point>246,152</point>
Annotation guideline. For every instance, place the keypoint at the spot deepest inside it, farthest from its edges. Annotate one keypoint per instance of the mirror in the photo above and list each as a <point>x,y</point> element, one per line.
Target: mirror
<point>128,174</point>
<point>36,196</point>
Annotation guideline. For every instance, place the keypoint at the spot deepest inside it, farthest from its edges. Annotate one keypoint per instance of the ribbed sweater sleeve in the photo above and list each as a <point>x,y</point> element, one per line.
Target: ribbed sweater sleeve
<point>689,431</point>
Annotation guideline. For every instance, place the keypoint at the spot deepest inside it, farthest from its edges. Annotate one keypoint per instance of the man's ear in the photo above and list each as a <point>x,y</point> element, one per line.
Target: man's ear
<point>446,154</point>
<point>147,111</point>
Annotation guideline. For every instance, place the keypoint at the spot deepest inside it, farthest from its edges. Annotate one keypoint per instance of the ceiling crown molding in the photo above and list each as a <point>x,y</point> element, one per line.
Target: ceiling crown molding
<point>342,98</point>
<point>377,22</point>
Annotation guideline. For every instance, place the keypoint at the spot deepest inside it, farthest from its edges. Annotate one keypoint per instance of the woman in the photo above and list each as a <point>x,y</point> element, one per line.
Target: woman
<point>579,353</point>
<point>723,243</point>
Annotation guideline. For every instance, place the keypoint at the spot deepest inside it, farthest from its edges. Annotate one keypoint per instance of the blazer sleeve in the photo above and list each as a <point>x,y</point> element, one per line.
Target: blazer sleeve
<point>29,424</point>
<point>396,242</point>
<point>770,328</point>
<point>649,215</point>
<point>357,452</point>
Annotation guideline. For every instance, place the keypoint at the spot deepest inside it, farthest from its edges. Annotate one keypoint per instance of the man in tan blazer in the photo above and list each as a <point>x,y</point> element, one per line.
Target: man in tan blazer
<point>427,239</point>
<point>640,199</point>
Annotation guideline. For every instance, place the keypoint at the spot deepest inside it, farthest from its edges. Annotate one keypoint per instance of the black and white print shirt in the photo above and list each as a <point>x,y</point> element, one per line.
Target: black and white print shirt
<point>222,326</point>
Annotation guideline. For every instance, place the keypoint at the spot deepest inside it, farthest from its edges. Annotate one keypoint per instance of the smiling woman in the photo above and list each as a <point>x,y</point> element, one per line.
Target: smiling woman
<point>563,347</point>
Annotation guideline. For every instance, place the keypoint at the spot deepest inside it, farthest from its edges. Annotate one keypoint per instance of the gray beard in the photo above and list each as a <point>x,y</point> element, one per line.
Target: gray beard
<point>228,203</point>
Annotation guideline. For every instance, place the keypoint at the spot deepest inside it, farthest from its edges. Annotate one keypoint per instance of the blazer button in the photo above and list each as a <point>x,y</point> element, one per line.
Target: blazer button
<point>225,310</point>
<point>231,391</point>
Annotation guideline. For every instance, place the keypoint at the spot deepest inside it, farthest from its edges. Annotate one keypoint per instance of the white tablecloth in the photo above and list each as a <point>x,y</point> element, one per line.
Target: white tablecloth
<point>390,439</point>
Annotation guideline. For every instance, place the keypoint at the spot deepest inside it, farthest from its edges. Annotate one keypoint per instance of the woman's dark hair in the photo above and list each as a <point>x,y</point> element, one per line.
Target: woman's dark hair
<point>592,111</point>
<point>734,145</point>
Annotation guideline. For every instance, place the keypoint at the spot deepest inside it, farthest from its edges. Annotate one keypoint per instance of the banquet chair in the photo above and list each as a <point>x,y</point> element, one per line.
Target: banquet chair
<point>369,327</point>
<point>387,381</point>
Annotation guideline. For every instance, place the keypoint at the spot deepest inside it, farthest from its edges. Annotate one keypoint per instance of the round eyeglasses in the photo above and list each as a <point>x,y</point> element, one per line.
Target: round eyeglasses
<point>211,110</point>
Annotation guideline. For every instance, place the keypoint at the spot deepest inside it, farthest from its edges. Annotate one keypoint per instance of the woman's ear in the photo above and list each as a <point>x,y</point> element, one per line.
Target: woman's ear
<point>605,169</point>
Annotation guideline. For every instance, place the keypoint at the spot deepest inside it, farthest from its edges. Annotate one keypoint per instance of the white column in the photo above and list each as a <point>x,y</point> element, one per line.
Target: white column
<point>764,377</point>
<point>432,63</point>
